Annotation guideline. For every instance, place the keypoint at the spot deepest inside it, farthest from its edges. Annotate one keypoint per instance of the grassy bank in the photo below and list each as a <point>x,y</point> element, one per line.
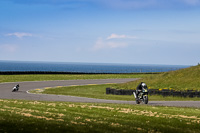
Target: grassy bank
<point>99,92</point>
<point>33,116</point>
<point>44,77</point>
<point>188,78</point>
<point>183,79</point>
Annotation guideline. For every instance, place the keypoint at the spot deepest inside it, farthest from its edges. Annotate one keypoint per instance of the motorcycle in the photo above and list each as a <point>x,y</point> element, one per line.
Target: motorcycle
<point>16,88</point>
<point>142,97</point>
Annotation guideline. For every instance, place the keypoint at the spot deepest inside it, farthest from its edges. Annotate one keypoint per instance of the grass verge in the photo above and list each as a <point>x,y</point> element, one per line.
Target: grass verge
<point>99,92</point>
<point>44,77</point>
<point>35,116</point>
<point>184,79</point>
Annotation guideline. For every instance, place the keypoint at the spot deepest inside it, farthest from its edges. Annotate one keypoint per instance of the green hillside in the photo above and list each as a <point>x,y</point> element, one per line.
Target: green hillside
<point>188,78</point>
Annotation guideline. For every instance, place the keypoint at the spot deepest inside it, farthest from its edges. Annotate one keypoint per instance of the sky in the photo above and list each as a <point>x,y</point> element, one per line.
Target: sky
<point>101,31</point>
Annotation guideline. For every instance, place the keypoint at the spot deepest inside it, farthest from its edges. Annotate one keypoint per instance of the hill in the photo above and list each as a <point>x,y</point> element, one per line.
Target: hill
<point>188,78</point>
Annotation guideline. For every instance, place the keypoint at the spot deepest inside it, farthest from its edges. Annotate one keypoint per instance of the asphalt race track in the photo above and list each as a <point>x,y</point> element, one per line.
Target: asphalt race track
<point>6,92</point>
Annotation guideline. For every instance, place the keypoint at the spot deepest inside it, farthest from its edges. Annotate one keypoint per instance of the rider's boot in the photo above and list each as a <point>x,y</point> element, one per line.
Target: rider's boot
<point>137,97</point>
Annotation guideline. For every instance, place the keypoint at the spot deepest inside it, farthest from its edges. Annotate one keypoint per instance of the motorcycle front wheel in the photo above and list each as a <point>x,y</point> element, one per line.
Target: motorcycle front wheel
<point>145,99</point>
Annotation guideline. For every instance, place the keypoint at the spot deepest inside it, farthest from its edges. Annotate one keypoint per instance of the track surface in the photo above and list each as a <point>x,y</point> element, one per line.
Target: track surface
<point>6,93</point>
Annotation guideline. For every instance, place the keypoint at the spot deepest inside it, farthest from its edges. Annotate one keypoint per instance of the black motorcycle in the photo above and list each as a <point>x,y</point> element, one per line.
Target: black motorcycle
<point>16,88</point>
<point>142,97</point>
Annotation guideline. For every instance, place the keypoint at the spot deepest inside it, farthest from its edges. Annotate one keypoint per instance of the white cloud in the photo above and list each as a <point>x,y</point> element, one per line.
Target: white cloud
<point>113,41</point>
<point>8,48</point>
<point>115,36</point>
<point>116,4</point>
<point>19,34</point>
<point>192,2</point>
<point>117,44</point>
<point>130,4</point>
<point>99,44</point>
<point>149,4</point>
<point>105,44</point>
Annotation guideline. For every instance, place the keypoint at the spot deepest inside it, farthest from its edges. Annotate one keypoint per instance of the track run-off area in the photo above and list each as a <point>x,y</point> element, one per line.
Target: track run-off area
<point>6,92</point>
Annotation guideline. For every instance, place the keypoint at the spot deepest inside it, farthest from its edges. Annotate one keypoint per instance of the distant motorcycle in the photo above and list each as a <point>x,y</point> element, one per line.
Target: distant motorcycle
<point>142,97</point>
<point>16,88</point>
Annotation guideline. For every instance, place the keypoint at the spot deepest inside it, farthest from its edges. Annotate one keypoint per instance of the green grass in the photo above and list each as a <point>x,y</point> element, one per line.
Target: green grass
<point>188,78</point>
<point>91,91</point>
<point>35,116</point>
<point>44,77</point>
<point>99,92</point>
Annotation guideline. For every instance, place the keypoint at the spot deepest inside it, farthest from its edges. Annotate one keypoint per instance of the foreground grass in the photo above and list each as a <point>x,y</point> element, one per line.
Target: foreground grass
<point>99,92</point>
<point>44,77</point>
<point>34,116</point>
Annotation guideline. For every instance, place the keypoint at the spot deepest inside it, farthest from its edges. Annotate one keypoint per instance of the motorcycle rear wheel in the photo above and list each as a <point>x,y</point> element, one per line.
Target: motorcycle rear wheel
<point>137,101</point>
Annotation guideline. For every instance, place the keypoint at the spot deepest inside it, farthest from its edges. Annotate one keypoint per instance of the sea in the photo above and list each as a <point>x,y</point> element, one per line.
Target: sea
<point>24,66</point>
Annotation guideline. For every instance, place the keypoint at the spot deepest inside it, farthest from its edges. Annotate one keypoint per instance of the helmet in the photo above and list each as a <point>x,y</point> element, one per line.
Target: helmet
<point>144,85</point>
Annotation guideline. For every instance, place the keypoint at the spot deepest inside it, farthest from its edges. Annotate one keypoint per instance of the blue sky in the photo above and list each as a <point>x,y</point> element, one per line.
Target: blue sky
<point>101,31</point>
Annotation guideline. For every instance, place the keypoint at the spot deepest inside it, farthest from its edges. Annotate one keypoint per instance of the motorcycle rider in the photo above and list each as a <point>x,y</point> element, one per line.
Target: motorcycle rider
<point>16,88</point>
<point>139,88</point>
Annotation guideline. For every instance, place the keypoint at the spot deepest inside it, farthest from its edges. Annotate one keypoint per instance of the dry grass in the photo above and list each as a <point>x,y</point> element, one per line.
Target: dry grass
<point>35,116</point>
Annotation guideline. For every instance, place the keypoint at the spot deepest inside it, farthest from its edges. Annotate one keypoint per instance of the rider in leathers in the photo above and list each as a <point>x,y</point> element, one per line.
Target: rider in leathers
<point>139,88</point>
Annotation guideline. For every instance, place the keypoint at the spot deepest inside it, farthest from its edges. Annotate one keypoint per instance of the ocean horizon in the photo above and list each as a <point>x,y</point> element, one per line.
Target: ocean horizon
<point>79,67</point>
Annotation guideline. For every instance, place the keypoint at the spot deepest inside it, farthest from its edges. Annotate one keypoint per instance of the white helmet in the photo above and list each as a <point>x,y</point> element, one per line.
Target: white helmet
<point>144,85</point>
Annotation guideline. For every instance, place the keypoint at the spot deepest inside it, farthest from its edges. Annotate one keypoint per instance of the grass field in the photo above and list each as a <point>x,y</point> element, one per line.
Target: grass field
<point>188,78</point>
<point>35,116</point>
<point>45,77</point>
<point>99,92</point>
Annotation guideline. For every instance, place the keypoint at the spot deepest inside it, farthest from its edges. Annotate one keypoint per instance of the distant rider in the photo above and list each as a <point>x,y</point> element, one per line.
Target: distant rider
<point>139,88</point>
<point>16,88</point>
